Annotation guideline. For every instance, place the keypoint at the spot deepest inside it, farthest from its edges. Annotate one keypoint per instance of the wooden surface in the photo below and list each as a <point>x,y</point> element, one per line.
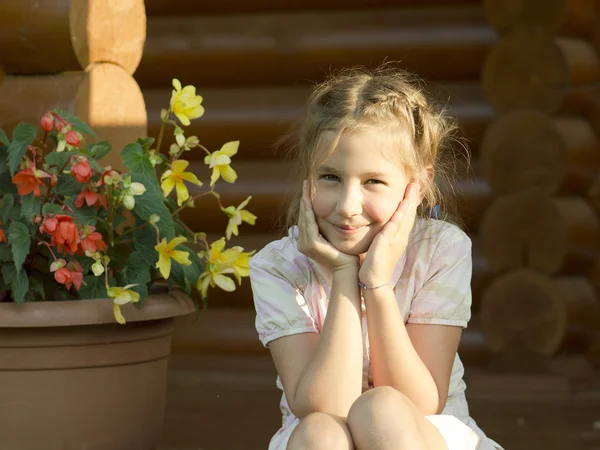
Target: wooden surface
<point>236,409</point>
<point>52,36</point>
<point>282,49</point>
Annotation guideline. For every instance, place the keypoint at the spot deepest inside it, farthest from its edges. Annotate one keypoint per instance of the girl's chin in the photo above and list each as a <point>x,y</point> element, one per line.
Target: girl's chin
<point>354,248</point>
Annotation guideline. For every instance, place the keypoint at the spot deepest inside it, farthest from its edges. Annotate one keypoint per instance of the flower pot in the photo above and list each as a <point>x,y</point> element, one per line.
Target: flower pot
<point>73,379</point>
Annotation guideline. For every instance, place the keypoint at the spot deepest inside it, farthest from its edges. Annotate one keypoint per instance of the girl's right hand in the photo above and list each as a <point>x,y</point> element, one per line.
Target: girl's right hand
<point>312,244</point>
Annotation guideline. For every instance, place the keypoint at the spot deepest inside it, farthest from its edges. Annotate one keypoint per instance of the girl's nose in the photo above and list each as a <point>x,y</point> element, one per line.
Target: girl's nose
<point>349,203</point>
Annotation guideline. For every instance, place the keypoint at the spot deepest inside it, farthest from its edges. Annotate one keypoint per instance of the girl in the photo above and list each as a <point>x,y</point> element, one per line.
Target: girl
<point>363,303</point>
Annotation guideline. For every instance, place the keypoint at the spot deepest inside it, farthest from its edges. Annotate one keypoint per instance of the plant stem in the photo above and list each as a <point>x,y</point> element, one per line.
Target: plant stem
<point>194,198</point>
<point>162,130</point>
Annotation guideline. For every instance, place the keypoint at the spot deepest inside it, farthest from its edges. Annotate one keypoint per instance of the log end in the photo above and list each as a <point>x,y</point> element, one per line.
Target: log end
<point>522,309</point>
<point>108,31</point>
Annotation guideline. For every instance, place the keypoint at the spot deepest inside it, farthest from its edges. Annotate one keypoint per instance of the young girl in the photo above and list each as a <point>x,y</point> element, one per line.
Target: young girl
<point>363,303</point>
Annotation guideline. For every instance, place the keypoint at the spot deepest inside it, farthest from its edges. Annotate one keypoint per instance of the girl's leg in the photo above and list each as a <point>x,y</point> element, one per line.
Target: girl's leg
<point>320,431</point>
<point>385,419</point>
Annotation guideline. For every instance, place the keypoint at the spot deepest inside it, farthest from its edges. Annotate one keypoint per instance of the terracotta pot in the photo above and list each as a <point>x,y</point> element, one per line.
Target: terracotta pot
<point>73,379</point>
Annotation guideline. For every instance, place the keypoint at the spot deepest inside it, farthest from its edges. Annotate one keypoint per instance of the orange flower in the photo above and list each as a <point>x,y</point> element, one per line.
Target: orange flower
<point>71,275</point>
<point>28,181</point>
<point>90,198</point>
<point>91,240</point>
<point>82,171</point>
<point>2,235</point>
<point>72,138</point>
<point>64,232</point>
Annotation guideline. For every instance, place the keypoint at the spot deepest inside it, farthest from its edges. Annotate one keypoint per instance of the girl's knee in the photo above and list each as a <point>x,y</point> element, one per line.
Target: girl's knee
<point>320,431</point>
<point>380,408</point>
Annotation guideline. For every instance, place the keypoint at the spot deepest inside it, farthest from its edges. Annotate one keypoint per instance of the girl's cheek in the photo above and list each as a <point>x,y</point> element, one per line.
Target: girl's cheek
<point>382,211</point>
<point>322,205</point>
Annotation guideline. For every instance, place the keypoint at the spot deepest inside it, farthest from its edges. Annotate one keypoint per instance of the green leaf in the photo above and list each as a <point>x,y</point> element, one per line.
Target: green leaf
<point>36,286</point>
<point>30,206</point>
<point>6,184</point>
<point>144,241</point>
<point>23,136</point>
<point>136,161</point>
<point>135,271</point>
<point>94,287</point>
<point>67,185</point>
<point>20,241</point>
<point>99,150</point>
<point>51,208</point>
<point>3,137</point>
<point>59,159</point>
<point>87,215</point>
<point>78,124</point>
<point>178,276</point>
<point>3,158</point>
<point>118,221</point>
<point>19,283</point>
<point>194,270</point>
<point>146,142</point>
<point>5,253</point>
<point>8,201</point>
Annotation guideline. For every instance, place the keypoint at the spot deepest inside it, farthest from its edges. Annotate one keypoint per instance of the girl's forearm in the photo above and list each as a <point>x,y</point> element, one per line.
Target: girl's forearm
<point>394,360</point>
<point>332,380</point>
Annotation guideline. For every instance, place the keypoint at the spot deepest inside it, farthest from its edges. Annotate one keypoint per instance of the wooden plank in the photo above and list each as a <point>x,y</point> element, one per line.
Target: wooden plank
<point>193,7</point>
<point>259,116</point>
<point>437,43</point>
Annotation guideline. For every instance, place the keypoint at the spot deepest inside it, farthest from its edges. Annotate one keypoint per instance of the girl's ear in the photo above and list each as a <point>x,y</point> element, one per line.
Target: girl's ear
<point>427,177</point>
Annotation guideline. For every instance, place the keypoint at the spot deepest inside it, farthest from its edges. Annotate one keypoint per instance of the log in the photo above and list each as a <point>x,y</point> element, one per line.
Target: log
<point>53,36</point>
<point>482,275</point>
<point>532,229</point>
<point>526,149</point>
<point>563,17</point>
<point>525,309</point>
<point>105,96</point>
<point>259,116</point>
<point>192,7</point>
<point>561,69</point>
<point>437,43</point>
<point>593,353</point>
<point>266,182</point>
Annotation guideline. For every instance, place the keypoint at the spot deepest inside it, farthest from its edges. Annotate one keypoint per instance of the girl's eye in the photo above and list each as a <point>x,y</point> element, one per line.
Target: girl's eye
<point>372,181</point>
<point>329,177</point>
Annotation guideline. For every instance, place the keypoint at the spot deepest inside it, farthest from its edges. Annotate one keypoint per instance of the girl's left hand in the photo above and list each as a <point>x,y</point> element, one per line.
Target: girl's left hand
<point>391,241</point>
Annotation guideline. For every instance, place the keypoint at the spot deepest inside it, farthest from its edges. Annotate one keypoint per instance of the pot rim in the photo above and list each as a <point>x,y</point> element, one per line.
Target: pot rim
<point>93,312</point>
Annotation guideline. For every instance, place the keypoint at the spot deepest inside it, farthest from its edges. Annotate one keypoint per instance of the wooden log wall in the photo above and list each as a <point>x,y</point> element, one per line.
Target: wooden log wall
<point>77,55</point>
<point>541,156</point>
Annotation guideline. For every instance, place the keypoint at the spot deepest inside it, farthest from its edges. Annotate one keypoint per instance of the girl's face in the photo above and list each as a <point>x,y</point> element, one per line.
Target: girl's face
<point>358,189</point>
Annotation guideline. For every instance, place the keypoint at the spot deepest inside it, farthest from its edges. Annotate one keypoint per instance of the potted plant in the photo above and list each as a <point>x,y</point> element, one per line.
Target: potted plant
<point>95,264</point>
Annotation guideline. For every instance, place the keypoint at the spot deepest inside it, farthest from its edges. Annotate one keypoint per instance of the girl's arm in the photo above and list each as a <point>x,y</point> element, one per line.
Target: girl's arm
<point>415,359</point>
<point>323,373</point>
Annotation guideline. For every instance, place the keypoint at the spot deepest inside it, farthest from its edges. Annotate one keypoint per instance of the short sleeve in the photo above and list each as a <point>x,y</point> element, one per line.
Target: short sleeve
<point>281,309</point>
<point>445,298</point>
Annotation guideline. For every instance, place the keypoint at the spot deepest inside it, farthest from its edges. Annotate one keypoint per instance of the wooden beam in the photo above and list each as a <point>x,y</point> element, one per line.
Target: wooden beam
<point>513,79</point>
<point>259,116</point>
<point>436,43</point>
<point>563,17</point>
<point>53,36</point>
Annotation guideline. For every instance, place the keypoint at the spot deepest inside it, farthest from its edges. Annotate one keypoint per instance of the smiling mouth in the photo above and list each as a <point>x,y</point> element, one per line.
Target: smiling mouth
<point>348,230</point>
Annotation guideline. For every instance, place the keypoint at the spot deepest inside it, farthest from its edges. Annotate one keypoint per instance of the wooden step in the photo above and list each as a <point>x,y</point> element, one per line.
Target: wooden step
<point>269,185</point>
<point>232,331</point>
<point>258,117</point>
<point>438,43</point>
<point>193,7</point>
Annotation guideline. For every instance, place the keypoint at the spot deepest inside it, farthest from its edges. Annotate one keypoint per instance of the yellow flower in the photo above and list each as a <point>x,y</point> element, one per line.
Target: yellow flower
<point>122,296</point>
<point>241,266</point>
<point>236,216</point>
<point>175,177</point>
<point>219,263</point>
<point>185,103</point>
<point>167,251</point>
<point>219,162</point>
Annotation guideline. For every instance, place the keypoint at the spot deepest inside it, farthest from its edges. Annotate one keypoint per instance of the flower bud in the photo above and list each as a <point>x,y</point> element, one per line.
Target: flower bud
<point>47,122</point>
<point>164,115</point>
<point>129,202</point>
<point>154,218</point>
<point>137,188</point>
<point>173,149</point>
<point>192,141</point>
<point>58,264</point>
<point>72,138</point>
<point>98,268</point>
<point>180,138</point>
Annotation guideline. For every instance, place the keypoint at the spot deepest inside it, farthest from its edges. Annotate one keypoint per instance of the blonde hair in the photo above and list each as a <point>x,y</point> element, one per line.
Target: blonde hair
<point>394,101</point>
